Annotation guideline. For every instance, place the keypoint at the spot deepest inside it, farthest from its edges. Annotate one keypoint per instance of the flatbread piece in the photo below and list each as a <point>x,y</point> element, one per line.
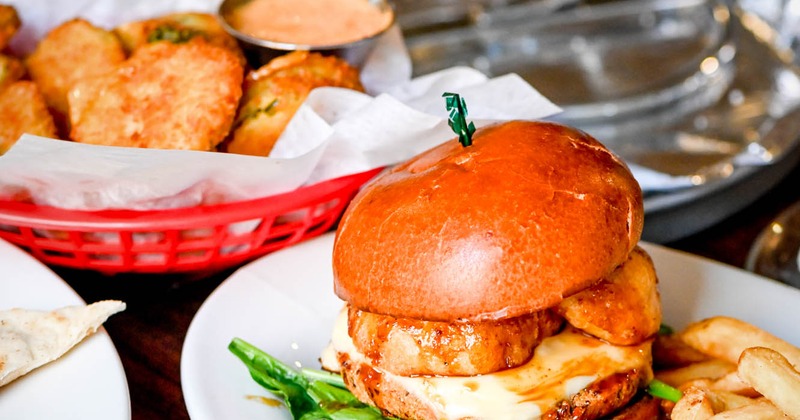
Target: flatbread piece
<point>31,338</point>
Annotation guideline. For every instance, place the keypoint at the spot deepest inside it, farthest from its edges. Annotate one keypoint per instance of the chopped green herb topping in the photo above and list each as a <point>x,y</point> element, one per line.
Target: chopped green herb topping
<point>171,34</point>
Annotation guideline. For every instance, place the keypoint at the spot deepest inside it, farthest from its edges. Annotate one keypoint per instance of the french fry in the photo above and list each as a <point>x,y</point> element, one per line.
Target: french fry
<point>702,383</point>
<point>726,338</point>
<point>710,369</point>
<point>695,405</point>
<point>724,400</point>
<point>669,351</point>
<point>758,410</point>
<point>771,374</point>
<point>718,400</point>
<point>732,382</point>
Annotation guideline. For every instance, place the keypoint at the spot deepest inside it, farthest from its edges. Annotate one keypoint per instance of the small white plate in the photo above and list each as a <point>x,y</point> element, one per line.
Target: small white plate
<point>284,304</point>
<point>88,382</point>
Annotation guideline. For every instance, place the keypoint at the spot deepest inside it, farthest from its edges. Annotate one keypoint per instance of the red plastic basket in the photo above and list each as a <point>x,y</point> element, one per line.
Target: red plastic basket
<point>211,238</point>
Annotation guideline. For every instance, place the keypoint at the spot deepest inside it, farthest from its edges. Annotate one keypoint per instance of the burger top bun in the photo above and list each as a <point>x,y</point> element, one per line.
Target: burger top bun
<point>531,212</point>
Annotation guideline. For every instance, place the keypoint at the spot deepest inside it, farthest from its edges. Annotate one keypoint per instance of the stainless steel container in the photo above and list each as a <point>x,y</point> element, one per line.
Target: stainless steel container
<point>260,51</point>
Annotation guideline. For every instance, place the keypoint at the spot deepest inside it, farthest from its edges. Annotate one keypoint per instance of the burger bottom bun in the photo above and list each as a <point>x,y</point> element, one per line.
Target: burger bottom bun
<point>390,394</point>
<point>386,392</point>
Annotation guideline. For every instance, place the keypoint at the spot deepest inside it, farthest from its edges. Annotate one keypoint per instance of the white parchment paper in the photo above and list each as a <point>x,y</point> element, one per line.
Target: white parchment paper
<point>335,133</point>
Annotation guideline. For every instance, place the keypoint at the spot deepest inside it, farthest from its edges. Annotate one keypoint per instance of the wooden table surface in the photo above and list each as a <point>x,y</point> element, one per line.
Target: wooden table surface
<point>150,333</point>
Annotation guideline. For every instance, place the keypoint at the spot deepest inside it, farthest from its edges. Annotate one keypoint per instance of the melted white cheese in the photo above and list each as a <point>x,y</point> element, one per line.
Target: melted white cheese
<point>562,365</point>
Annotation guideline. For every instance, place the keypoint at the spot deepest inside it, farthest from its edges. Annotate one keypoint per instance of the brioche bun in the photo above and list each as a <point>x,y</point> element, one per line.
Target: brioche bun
<point>528,214</point>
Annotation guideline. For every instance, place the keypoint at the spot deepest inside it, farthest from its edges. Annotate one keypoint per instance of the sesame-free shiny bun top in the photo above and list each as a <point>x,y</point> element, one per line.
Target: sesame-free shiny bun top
<point>528,214</point>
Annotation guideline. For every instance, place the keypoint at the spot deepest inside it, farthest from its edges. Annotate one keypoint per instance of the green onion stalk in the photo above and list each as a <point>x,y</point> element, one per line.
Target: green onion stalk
<point>308,393</point>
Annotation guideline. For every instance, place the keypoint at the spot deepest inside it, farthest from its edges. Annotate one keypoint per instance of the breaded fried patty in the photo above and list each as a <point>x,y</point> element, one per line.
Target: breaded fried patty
<point>622,309</point>
<point>167,96</point>
<point>274,92</point>
<point>11,70</point>
<point>22,110</point>
<point>9,24</point>
<point>177,28</point>
<point>415,347</point>
<point>73,51</point>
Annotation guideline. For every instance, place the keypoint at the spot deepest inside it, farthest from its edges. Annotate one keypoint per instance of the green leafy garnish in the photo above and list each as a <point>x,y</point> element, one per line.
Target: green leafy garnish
<point>252,112</point>
<point>457,108</point>
<point>171,34</point>
<point>665,329</point>
<point>661,390</point>
<point>308,393</point>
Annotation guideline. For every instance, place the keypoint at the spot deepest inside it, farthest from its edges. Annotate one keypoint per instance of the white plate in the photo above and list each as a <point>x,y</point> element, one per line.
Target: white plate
<point>87,383</point>
<point>284,304</point>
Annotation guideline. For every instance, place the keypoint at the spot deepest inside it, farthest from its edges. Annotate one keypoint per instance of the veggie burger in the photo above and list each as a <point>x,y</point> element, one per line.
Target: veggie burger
<point>497,280</point>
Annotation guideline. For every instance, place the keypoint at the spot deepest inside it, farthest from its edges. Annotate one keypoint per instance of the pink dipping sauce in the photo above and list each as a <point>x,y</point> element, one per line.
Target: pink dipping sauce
<point>310,22</point>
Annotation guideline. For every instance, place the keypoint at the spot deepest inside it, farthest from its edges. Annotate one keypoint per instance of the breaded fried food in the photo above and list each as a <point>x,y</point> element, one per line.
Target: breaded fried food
<point>72,51</point>
<point>167,96</point>
<point>11,70</point>
<point>177,28</point>
<point>274,92</point>
<point>23,110</point>
<point>624,308</point>
<point>9,24</point>
<point>406,346</point>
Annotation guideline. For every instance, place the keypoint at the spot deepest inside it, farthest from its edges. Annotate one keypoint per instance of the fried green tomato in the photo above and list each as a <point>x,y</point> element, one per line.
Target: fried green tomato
<point>274,92</point>
<point>23,110</point>
<point>73,51</point>
<point>177,28</point>
<point>9,24</point>
<point>166,96</point>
